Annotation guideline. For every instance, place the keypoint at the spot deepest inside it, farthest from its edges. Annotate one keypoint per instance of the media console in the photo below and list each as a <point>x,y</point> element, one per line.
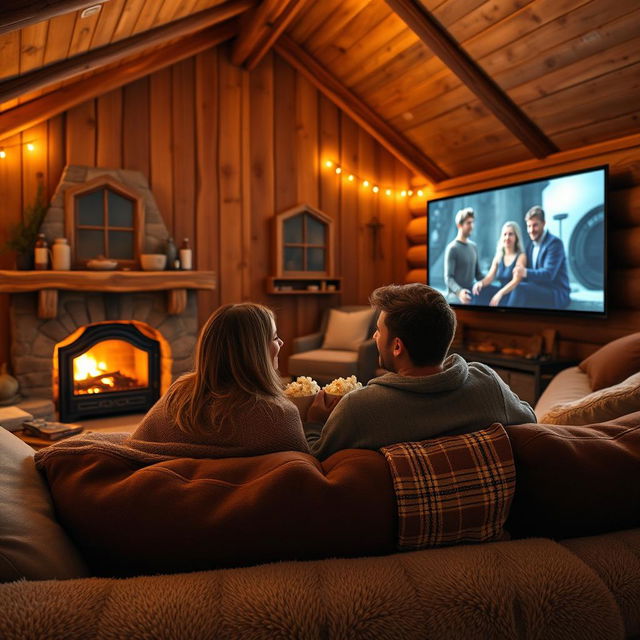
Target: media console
<point>526,377</point>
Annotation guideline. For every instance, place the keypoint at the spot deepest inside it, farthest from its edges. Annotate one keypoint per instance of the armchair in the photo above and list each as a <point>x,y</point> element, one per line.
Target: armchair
<point>340,348</point>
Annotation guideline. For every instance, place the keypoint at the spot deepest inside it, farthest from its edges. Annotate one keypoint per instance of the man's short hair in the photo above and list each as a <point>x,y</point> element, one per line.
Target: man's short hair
<point>463,214</point>
<point>421,317</point>
<point>535,212</point>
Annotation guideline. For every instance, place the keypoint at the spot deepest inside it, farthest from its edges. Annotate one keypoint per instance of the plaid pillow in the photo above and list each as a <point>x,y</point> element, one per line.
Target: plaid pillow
<point>452,489</point>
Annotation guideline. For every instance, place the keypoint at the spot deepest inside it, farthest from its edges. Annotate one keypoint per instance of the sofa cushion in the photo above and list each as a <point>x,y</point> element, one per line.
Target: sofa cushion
<point>575,480</point>
<point>599,406</point>
<point>347,329</point>
<point>567,386</point>
<point>331,363</point>
<point>130,517</point>
<point>614,362</point>
<point>32,543</point>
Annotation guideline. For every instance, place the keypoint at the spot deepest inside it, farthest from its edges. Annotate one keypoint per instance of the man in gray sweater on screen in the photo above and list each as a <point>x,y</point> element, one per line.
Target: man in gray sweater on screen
<point>425,395</point>
<point>461,267</point>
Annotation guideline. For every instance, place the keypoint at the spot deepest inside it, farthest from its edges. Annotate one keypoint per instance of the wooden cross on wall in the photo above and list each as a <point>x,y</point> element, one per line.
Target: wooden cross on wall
<point>375,226</point>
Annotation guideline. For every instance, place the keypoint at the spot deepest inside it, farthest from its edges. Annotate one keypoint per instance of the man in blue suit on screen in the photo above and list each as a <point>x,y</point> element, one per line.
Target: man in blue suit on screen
<point>545,282</point>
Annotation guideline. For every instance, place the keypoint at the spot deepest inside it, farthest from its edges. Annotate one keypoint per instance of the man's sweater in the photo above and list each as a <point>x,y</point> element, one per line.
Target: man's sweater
<point>394,408</point>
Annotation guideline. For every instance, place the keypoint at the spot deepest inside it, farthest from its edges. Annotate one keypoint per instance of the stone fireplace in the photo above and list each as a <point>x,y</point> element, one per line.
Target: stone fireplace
<point>37,343</point>
<point>58,320</point>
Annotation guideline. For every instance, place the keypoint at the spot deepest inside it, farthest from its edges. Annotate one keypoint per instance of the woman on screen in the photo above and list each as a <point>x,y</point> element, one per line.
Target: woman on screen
<point>509,253</point>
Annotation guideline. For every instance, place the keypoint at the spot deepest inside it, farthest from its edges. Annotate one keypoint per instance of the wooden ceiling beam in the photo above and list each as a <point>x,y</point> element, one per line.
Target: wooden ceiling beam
<point>368,119</point>
<point>261,28</point>
<point>97,58</point>
<point>16,14</point>
<point>438,39</point>
<point>31,113</point>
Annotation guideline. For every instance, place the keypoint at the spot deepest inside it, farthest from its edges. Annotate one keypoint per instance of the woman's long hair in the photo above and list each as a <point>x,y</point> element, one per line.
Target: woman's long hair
<point>518,245</point>
<point>233,366</point>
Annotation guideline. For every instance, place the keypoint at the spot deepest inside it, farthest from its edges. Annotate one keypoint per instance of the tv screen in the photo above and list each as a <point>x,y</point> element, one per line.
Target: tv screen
<point>537,245</point>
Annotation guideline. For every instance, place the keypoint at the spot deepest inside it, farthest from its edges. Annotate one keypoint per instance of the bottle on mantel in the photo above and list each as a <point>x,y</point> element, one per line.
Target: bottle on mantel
<point>172,254</point>
<point>41,253</point>
<point>186,256</point>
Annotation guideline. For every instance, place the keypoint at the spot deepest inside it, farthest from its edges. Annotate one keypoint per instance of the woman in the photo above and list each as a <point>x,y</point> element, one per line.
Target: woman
<point>233,401</point>
<point>509,253</point>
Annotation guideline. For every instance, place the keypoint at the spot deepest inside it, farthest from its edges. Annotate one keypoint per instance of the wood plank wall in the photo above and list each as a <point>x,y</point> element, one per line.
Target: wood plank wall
<point>224,150</point>
<point>579,336</point>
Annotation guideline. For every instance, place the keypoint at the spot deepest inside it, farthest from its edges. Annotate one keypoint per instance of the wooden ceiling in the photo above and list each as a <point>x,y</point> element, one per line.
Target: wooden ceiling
<point>450,86</point>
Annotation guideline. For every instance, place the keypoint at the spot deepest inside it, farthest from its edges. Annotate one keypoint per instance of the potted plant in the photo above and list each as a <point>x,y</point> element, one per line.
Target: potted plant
<point>22,236</point>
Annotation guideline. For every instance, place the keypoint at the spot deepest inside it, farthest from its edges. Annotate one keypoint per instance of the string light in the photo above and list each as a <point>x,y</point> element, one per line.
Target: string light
<point>367,184</point>
<point>29,146</point>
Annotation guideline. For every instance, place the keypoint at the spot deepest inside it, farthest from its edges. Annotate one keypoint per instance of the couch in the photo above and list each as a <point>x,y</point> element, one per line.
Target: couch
<point>559,584</point>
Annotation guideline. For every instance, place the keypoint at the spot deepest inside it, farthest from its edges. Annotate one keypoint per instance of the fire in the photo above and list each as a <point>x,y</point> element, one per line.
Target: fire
<point>110,365</point>
<point>85,367</point>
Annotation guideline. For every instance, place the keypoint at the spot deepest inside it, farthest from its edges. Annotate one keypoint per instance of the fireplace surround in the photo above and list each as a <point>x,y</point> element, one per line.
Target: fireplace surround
<point>163,306</point>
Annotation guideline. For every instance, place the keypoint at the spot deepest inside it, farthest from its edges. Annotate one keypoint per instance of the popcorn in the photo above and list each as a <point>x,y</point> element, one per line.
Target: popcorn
<point>302,386</point>
<point>342,386</point>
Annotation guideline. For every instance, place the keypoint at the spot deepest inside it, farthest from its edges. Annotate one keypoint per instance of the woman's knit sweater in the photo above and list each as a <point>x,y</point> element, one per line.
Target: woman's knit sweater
<point>259,427</point>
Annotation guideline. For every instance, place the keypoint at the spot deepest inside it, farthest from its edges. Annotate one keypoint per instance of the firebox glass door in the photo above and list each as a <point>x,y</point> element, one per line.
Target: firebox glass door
<point>110,366</point>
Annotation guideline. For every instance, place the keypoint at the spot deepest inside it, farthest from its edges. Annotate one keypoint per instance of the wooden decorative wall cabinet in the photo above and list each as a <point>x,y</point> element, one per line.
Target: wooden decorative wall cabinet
<point>303,253</point>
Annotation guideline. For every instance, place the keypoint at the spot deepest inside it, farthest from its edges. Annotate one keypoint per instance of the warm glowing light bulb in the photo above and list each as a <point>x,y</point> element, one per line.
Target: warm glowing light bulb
<point>30,146</point>
<point>351,177</point>
<point>3,153</point>
<point>328,163</point>
<point>376,188</point>
<point>338,170</point>
<point>365,183</point>
<point>420,193</point>
<point>388,192</point>
<point>403,193</point>
<point>409,193</point>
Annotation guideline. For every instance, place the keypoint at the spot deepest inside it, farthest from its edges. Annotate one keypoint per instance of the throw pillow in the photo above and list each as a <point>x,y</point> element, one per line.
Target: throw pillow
<point>575,480</point>
<point>452,489</point>
<point>614,362</point>
<point>599,406</point>
<point>347,329</point>
<point>32,543</point>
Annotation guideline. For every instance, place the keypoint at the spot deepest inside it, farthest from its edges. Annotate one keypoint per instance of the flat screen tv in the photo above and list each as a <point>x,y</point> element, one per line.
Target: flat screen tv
<point>538,245</point>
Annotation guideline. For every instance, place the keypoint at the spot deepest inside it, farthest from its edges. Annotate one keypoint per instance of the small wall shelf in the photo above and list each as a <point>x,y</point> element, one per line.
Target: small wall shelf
<point>47,284</point>
<point>304,286</point>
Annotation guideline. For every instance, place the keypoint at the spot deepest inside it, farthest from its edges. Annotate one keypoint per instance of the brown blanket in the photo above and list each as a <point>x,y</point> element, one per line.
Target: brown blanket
<point>136,507</point>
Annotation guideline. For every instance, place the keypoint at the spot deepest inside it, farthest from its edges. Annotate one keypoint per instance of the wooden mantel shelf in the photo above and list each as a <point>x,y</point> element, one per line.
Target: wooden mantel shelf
<point>47,283</point>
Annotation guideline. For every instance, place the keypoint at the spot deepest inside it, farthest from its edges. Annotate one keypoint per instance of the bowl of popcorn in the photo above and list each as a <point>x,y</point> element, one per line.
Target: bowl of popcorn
<point>342,386</point>
<point>301,392</point>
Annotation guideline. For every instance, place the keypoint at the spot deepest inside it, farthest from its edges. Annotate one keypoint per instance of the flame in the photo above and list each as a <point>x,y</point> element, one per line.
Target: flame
<point>85,366</point>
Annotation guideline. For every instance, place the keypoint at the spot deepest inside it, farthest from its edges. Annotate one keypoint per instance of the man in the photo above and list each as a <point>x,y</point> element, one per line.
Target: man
<point>545,282</point>
<point>425,395</point>
<point>461,260</point>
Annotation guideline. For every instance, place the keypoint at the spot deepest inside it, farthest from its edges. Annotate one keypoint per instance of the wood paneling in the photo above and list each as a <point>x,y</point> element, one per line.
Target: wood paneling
<point>224,150</point>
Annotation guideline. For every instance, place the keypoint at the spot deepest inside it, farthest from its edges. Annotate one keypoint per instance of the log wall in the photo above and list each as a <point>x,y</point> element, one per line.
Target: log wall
<point>579,336</point>
<point>224,150</point>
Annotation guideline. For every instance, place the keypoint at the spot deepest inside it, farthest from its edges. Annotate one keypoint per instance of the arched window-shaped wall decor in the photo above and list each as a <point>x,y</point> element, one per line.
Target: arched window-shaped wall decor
<point>104,218</point>
<point>304,252</point>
